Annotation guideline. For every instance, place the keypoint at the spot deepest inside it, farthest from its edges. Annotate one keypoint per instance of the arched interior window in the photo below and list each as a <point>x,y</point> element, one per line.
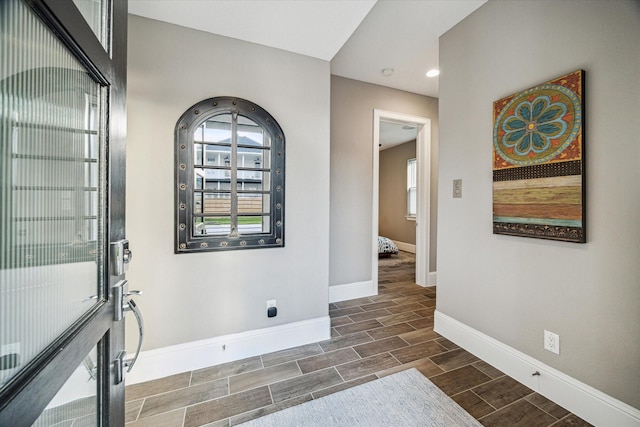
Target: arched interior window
<point>230,162</point>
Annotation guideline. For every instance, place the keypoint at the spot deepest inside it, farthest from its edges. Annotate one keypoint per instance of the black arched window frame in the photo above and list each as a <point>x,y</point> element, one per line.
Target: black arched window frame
<point>187,237</point>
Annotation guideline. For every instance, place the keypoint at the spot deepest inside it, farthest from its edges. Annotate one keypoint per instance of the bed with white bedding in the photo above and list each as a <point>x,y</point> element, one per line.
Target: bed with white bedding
<point>386,247</point>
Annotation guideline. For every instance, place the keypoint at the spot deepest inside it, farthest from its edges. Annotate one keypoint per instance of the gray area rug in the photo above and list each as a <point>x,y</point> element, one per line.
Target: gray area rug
<point>405,399</point>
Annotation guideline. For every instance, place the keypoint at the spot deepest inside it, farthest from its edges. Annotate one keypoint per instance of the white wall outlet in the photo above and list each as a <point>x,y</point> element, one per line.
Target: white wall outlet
<point>271,303</point>
<point>552,342</point>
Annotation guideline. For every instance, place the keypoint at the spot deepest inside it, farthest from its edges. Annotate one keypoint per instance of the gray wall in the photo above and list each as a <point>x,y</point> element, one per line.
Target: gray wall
<point>392,219</point>
<point>196,296</point>
<point>513,288</point>
<point>352,105</point>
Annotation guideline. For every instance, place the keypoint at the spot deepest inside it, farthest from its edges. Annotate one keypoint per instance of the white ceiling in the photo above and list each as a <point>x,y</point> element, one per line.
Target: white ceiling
<point>359,37</point>
<point>402,35</point>
<point>316,28</point>
<point>392,134</point>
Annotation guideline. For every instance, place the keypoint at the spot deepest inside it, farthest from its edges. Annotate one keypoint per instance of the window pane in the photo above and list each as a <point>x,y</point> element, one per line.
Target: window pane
<point>253,224</point>
<point>198,205</point>
<point>253,158</point>
<point>51,188</point>
<point>76,403</point>
<point>217,203</point>
<point>216,129</point>
<point>217,155</point>
<point>199,180</point>
<point>251,134</point>
<point>197,154</point>
<point>411,202</point>
<point>253,181</point>
<point>218,184</point>
<point>411,173</point>
<point>217,225</point>
<point>251,203</point>
<point>411,187</point>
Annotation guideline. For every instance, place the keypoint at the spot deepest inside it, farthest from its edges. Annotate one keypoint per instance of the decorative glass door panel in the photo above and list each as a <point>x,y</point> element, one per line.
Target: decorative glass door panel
<point>52,190</point>
<point>58,83</point>
<point>77,402</point>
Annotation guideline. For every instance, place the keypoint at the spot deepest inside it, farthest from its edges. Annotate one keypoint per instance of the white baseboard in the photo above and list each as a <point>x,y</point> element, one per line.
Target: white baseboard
<point>583,400</point>
<point>433,278</point>
<point>162,362</point>
<point>351,291</point>
<point>407,247</point>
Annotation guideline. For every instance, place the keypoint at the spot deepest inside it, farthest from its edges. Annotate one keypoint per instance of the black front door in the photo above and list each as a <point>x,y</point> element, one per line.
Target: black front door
<point>62,130</point>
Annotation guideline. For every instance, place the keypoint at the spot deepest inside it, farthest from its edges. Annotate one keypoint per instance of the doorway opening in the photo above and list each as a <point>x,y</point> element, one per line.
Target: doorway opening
<point>422,128</point>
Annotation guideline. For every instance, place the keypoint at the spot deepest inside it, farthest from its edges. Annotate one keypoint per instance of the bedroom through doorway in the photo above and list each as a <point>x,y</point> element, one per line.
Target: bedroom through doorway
<point>401,148</point>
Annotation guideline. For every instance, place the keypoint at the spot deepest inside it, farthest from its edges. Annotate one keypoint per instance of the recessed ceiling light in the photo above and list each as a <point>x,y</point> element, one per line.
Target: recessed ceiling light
<point>433,73</point>
<point>387,72</point>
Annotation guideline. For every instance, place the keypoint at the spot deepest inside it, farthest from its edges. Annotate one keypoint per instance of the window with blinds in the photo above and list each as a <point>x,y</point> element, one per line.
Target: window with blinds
<point>412,196</point>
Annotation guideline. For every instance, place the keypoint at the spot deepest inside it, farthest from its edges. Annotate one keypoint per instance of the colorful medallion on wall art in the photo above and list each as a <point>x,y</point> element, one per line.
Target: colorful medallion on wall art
<point>538,161</point>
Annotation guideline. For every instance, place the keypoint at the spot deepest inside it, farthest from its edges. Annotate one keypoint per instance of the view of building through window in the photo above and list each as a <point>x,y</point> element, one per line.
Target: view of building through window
<point>231,177</point>
<point>214,170</point>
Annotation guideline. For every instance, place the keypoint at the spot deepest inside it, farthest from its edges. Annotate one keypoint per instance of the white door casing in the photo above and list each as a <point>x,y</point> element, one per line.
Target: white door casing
<point>423,215</point>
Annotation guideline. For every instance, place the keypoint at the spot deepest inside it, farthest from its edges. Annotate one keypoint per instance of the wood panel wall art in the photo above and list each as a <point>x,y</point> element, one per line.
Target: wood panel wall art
<point>538,161</point>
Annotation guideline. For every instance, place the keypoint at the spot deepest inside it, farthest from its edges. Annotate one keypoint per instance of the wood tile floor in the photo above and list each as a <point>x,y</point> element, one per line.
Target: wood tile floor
<point>371,337</point>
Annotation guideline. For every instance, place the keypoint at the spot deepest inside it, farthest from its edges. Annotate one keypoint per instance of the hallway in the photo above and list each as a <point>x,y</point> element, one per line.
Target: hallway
<point>371,337</point>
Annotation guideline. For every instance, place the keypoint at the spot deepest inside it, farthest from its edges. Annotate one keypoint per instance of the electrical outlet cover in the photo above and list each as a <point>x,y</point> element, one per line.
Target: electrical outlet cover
<point>552,342</point>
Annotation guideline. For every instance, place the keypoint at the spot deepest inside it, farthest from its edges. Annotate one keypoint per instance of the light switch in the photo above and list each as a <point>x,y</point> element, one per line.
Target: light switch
<point>457,188</point>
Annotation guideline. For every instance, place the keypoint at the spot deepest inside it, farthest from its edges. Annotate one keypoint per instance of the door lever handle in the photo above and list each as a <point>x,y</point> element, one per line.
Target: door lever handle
<point>133,307</point>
